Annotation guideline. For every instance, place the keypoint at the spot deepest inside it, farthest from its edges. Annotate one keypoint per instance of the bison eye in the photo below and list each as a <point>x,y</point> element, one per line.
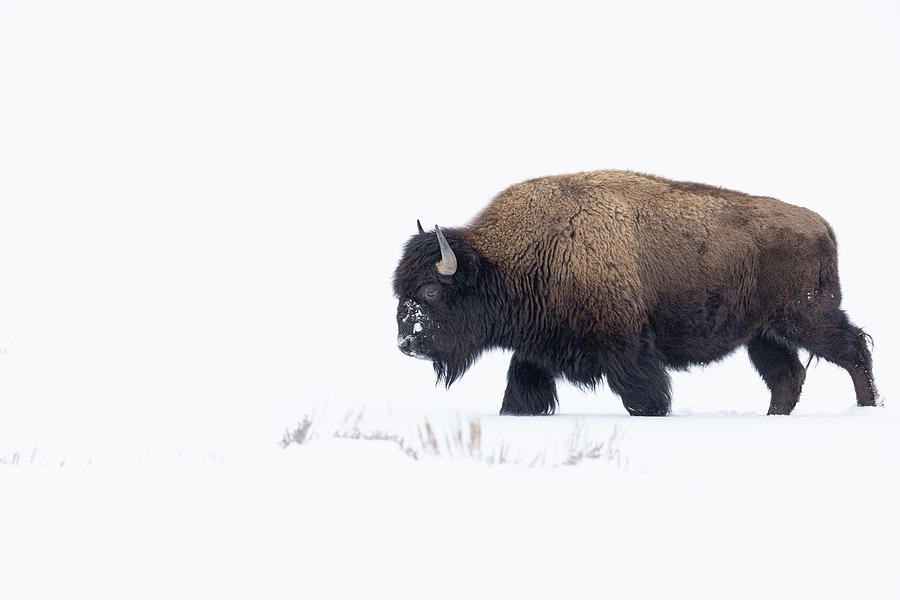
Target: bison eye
<point>430,291</point>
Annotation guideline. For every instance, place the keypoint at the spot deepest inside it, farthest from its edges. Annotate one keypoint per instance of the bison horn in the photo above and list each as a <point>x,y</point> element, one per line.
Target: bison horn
<point>447,265</point>
<point>419,225</point>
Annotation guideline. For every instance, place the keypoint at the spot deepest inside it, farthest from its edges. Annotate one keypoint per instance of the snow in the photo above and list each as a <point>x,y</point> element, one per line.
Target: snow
<point>201,207</point>
<point>707,506</point>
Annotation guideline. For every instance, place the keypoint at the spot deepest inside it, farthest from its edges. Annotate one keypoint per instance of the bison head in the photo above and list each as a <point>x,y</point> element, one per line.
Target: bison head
<point>441,315</point>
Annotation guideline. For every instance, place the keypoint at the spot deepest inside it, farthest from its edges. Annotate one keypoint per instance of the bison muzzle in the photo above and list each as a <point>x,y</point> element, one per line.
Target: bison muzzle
<point>621,276</point>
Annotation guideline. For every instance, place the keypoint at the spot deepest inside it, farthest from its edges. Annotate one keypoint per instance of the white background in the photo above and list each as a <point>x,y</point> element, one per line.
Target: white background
<point>203,202</point>
<point>201,207</point>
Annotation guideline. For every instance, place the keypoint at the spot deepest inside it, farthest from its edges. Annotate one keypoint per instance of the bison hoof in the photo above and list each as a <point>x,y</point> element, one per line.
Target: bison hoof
<point>647,411</point>
<point>523,412</point>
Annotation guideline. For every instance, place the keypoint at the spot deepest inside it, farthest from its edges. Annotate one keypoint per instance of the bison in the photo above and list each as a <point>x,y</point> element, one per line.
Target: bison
<point>621,276</point>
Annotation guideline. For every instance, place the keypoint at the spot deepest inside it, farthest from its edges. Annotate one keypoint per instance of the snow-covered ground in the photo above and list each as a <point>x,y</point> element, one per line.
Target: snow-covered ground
<point>201,206</point>
<point>699,506</point>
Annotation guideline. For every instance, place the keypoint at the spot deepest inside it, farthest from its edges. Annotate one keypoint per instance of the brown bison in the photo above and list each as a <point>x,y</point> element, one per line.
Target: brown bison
<point>620,275</point>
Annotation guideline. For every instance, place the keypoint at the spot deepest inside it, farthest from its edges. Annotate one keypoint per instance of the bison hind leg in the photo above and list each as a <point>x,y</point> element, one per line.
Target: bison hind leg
<point>781,369</point>
<point>530,389</point>
<point>833,337</point>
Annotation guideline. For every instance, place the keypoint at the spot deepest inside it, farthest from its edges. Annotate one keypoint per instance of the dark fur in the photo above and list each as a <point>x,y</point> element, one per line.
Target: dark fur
<point>621,276</point>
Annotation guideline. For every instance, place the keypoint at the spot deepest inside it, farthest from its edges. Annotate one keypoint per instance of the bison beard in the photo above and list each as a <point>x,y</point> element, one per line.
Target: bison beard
<point>620,276</point>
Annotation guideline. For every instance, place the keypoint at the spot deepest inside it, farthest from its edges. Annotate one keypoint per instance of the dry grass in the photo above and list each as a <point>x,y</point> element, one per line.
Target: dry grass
<point>464,440</point>
<point>349,430</point>
<point>301,434</point>
<point>15,459</point>
<point>355,433</point>
<point>579,447</point>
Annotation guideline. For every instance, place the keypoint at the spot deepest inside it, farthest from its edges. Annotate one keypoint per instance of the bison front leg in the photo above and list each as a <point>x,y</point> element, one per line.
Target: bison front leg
<point>638,375</point>
<point>530,389</point>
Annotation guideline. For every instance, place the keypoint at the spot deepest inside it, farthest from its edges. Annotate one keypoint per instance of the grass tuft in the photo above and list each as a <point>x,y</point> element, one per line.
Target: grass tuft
<point>357,434</point>
<point>580,448</point>
<point>300,435</point>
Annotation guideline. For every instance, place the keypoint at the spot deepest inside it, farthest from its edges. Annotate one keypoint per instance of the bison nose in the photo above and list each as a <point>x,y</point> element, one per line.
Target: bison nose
<point>405,345</point>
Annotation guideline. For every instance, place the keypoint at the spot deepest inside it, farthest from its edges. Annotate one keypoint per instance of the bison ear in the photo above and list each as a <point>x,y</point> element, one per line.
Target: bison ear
<point>419,225</point>
<point>471,266</point>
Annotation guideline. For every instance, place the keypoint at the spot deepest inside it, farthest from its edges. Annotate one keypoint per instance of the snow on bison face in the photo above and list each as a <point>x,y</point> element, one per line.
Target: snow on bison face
<point>412,319</point>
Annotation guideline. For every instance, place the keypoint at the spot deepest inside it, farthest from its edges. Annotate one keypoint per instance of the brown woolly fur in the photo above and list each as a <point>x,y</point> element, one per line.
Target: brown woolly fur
<point>622,275</point>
